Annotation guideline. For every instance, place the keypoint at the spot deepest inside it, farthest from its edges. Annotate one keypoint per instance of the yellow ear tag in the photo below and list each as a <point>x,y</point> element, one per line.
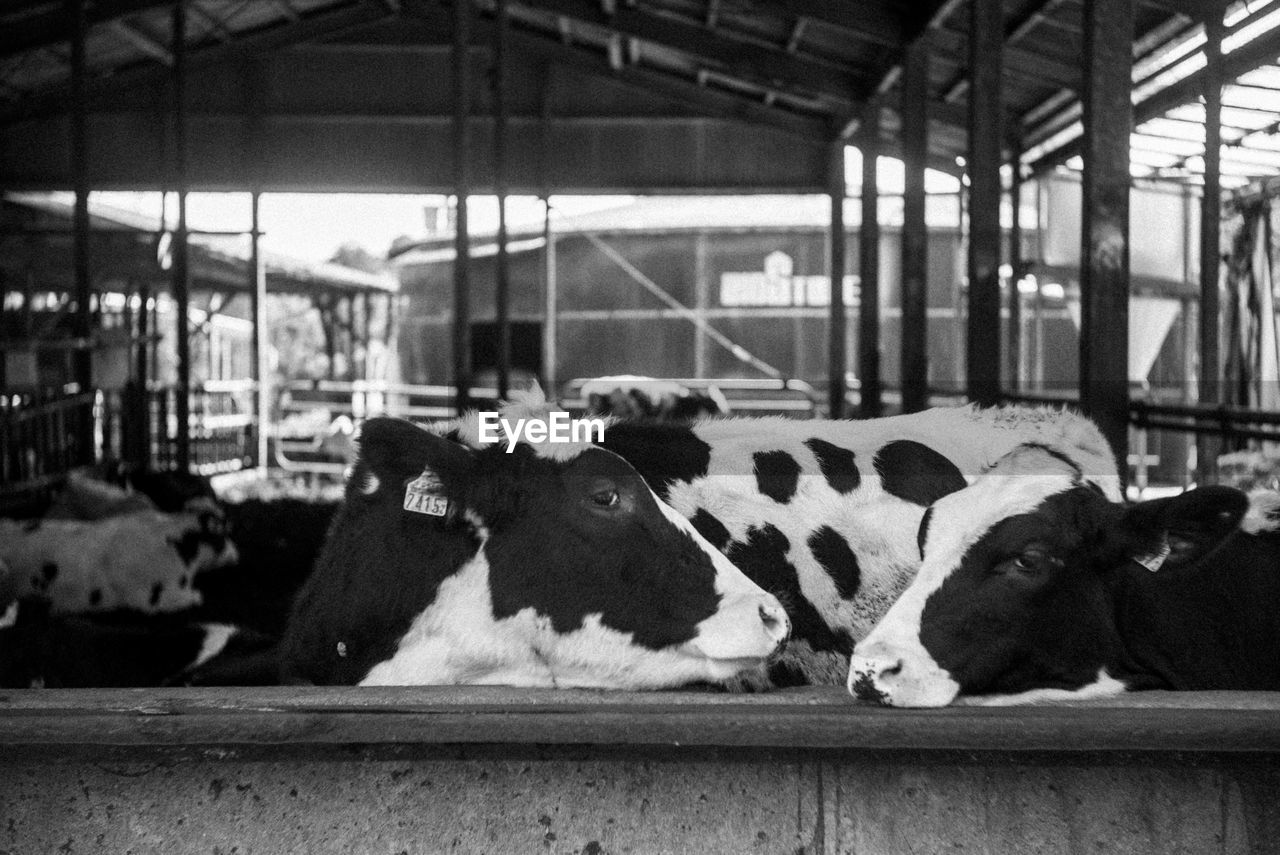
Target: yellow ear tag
<point>425,495</point>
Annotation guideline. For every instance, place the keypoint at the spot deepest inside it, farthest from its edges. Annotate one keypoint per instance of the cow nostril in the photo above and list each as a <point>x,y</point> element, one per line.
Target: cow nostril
<point>775,621</point>
<point>892,670</point>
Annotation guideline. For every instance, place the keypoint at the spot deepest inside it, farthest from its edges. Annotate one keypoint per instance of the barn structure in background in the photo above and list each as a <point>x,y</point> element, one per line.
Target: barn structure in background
<point>1085,106</point>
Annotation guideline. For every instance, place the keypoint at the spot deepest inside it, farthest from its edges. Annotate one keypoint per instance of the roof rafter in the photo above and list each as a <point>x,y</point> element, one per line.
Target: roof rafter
<point>710,102</point>
<point>321,24</point>
<point>752,62</point>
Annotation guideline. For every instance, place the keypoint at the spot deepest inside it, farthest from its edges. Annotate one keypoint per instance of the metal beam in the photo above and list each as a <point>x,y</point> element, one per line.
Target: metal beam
<point>1257,53</point>
<point>461,79</point>
<point>878,23</point>
<point>42,30</point>
<point>703,99</point>
<point>258,344</point>
<point>82,321</point>
<point>142,42</point>
<point>982,341</point>
<point>1104,254</point>
<point>326,23</point>
<point>1210,369</point>
<point>869,394</point>
<point>1013,341</point>
<point>181,266</point>
<point>915,241</point>
<point>1014,32</point>
<point>751,61</point>
<point>837,325</point>
<point>502,299</point>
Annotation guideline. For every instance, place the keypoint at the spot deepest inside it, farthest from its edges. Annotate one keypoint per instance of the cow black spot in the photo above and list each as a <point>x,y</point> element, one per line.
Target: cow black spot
<point>187,546</point>
<point>156,591</point>
<point>50,571</point>
<point>922,533</point>
<point>763,557</point>
<point>836,464</point>
<point>95,597</point>
<point>710,528</point>
<point>785,674</point>
<point>777,475</point>
<point>833,553</point>
<point>662,453</point>
<point>916,473</point>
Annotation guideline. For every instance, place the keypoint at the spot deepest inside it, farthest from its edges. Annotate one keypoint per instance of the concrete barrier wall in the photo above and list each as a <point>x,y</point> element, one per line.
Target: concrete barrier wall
<point>403,780</point>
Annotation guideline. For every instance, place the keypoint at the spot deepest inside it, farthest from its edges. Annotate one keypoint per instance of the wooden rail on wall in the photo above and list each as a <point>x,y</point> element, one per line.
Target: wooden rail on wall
<point>318,722</point>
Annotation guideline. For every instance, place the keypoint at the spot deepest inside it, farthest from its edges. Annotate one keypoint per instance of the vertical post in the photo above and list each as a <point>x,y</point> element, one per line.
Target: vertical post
<point>837,347</point>
<point>181,268</point>
<point>869,393</point>
<point>80,179</point>
<point>366,332</point>
<point>982,339</point>
<point>915,239</point>
<point>142,373</point>
<point>503,295</point>
<point>462,240</point>
<point>1209,387</point>
<point>82,364</point>
<point>702,300</point>
<point>258,366</point>
<point>550,321</point>
<point>1013,356</point>
<point>1104,281</point>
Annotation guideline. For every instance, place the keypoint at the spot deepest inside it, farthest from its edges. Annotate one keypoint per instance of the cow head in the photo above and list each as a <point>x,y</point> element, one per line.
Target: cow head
<point>1012,596</point>
<point>577,574</point>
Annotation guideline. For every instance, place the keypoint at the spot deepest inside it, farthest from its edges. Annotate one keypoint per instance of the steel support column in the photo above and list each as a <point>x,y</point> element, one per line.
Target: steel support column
<point>258,356</point>
<point>1104,281</point>
<point>461,182</point>
<point>915,239</point>
<point>502,298</point>
<point>982,340</point>
<point>870,404</point>
<point>83,322</point>
<point>1210,371</point>
<point>837,350</point>
<point>550,321</point>
<point>1013,341</point>
<point>181,267</point>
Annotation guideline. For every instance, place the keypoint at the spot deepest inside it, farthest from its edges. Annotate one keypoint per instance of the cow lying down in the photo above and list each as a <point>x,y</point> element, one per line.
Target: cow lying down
<point>1034,586</point>
<point>448,564</point>
<point>125,650</point>
<point>517,568</point>
<point>145,561</point>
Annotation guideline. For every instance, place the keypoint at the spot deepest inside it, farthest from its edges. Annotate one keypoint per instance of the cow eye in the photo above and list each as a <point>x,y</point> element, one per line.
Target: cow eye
<point>606,498</point>
<point>1029,562</point>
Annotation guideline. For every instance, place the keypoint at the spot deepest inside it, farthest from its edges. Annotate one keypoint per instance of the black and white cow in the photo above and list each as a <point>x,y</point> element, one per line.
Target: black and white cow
<point>145,561</point>
<point>824,514</point>
<point>548,567</point>
<point>1035,586</point>
<point>126,649</point>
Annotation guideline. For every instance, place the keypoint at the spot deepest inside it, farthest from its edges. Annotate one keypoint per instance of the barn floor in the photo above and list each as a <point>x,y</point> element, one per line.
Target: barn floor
<point>503,770</point>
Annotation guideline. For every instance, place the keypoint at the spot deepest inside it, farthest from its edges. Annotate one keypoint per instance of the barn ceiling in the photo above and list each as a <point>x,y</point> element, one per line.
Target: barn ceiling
<point>603,95</point>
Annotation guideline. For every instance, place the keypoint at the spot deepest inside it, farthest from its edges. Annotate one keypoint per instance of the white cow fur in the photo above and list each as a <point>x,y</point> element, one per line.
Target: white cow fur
<point>879,528</point>
<point>122,556</point>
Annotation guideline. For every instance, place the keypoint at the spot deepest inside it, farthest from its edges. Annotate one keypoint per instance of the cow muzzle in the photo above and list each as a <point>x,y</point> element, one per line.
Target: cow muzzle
<point>746,629</point>
<point>899,676</point>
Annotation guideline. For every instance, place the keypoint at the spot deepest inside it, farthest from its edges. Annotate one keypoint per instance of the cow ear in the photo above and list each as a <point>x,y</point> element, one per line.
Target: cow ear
<point>1181,529</point>
<point>393,452</point>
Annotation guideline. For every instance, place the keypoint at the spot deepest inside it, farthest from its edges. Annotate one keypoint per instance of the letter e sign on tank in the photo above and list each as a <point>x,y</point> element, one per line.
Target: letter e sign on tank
<point>425,495</point>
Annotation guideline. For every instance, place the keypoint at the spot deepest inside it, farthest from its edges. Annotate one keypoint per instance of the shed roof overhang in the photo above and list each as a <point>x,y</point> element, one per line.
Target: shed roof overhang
<point>649,96</point>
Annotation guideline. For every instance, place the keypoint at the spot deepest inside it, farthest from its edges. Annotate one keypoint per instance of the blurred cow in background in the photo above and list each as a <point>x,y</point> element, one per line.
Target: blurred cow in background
<point>631,397</point>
